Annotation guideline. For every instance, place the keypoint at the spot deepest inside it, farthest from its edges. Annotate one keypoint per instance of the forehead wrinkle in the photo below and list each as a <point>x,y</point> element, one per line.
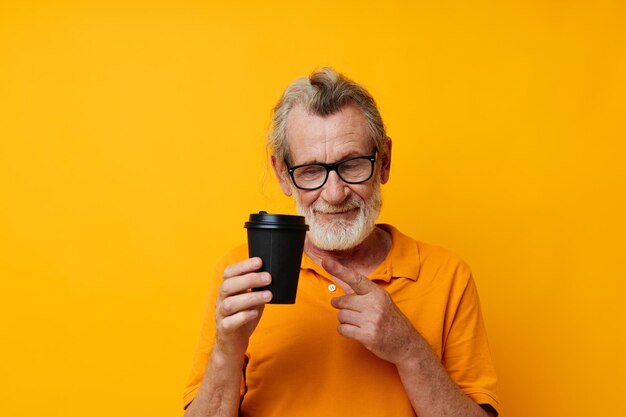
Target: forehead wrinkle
<point>326,138</point>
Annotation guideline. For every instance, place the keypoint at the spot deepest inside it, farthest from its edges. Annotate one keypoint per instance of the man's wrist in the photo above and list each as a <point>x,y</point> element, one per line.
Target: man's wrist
<point>221,359</point>
<point>416,354</point>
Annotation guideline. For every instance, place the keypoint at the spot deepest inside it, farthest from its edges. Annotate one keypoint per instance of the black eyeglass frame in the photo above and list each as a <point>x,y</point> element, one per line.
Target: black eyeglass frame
<point>329,168</point>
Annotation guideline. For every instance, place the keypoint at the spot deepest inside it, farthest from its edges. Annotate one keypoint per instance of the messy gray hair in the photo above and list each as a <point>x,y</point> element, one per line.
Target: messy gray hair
<point>323,93</point>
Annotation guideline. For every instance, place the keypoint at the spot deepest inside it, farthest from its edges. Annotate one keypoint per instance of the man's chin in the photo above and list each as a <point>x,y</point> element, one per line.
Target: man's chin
<point>336,236</point>
<point>333,226</point>
<point>333,246</point>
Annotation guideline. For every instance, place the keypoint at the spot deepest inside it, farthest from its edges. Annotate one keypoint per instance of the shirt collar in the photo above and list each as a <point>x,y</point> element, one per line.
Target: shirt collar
<point>402,261</point>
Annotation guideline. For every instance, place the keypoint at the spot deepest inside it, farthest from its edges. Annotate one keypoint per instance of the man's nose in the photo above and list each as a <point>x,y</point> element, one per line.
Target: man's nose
<point>335,190</point>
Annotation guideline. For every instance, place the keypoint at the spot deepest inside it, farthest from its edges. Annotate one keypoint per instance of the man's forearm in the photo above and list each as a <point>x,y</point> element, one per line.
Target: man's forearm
<point>429,387</point>
<point>219,393</point>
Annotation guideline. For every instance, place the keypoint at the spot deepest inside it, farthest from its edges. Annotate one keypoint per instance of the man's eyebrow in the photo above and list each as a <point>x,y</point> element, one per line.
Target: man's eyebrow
<point>351,154</point>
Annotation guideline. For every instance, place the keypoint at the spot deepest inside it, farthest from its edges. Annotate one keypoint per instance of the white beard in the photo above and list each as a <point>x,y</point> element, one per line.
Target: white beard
<point>341,234</point>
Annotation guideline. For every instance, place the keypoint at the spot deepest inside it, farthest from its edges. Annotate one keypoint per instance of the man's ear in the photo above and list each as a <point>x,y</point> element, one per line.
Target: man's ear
<point>282,176</point>
<point>385,166</point>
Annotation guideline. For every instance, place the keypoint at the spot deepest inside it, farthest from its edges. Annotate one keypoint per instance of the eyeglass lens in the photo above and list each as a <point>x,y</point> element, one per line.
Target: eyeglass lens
<point>352,171</point>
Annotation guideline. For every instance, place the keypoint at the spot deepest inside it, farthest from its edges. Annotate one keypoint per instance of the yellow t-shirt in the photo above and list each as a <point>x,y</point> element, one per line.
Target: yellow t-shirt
<point>298,365</point>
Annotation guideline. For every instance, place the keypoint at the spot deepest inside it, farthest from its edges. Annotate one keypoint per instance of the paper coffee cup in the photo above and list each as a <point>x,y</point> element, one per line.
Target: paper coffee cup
<point>278,239</point>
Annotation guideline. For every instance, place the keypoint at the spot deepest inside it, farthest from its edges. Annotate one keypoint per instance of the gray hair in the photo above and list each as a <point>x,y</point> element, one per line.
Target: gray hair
<point>323,93</point>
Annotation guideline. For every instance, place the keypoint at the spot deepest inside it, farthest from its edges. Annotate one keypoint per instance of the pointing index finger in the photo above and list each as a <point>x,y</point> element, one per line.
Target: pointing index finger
<point>358,283</point>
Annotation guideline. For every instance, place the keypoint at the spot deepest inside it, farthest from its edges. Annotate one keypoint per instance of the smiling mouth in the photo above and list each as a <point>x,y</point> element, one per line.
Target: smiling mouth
<point>330,213</point>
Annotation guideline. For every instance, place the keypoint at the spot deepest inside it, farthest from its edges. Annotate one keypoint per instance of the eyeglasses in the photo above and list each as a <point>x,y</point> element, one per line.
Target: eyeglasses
<point>314,176</point>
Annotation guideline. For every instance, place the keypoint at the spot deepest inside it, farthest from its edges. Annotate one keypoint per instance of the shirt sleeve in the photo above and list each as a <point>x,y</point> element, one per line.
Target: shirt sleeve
<point>466,354</point>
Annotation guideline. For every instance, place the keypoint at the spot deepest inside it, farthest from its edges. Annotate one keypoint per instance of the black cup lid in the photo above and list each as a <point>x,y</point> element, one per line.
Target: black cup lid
<point>264,220</point>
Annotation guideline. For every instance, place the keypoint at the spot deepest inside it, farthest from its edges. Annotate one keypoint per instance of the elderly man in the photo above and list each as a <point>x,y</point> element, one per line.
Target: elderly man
<point>383,325</point>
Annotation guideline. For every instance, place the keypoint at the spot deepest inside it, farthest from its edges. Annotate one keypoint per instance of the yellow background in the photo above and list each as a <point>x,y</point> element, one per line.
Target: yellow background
<point>131,152</point>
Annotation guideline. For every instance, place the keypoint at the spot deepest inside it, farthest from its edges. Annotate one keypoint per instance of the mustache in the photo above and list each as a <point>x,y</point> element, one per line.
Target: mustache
<point>325,208</point>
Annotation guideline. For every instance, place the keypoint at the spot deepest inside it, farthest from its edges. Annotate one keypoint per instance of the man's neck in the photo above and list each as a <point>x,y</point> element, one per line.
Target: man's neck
<point>363,258</point>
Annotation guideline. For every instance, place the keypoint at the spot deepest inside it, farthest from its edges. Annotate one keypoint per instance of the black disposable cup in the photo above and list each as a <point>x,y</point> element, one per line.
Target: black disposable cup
<point>278,239</point>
